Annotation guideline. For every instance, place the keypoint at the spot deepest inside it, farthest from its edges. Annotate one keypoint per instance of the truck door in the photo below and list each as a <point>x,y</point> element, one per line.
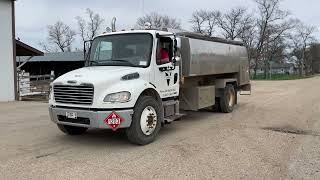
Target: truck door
<point>166,73</point>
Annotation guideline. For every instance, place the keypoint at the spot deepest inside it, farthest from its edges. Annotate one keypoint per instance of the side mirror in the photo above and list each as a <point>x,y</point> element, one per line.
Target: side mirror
<point>175,50</point>
<point>175,46</point>
<point>86,49</point>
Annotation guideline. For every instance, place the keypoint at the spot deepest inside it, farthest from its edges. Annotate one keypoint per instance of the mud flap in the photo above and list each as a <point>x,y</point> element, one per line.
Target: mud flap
<point>245,90</point>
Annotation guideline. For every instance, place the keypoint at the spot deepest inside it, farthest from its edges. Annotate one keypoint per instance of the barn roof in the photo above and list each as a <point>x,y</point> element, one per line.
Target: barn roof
<point>23,49</point>
<point>57,57</point>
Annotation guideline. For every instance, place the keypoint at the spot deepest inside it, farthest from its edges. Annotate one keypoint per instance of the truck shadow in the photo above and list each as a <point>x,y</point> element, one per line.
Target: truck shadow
<point>97,138</point>
<point>108,138</point>
<point>111,139</point>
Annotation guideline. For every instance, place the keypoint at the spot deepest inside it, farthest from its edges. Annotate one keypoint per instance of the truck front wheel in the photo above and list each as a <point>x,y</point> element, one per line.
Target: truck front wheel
<point>146,121</point>
<point>72,130</point>
<point>228,99</point>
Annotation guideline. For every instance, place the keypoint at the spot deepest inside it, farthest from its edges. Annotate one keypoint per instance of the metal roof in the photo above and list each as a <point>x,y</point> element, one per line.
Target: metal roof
<point>23,49</point>
<point>56,57</point>
<point>208,38</point>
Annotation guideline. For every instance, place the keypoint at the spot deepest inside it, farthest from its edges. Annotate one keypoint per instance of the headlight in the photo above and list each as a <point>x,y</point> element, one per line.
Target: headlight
<point>120,97</point>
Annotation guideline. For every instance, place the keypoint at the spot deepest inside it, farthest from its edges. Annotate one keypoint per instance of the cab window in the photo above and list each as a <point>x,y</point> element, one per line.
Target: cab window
<point>164,50</point>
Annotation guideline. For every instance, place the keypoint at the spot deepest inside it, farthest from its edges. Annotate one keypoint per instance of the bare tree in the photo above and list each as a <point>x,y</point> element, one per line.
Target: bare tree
<point>276,50</point>
<point>272,24</point>
<point>198,19</point>
<point>158,21</point>
<point>82,27</point>
<point>47,48</point>
<point>61,36</point>
<point>204,22</point>
<point>301,39</point>
<point>265,33</point>
<point>90,28</point>
<point>234,22</point>
<point>249,37</point>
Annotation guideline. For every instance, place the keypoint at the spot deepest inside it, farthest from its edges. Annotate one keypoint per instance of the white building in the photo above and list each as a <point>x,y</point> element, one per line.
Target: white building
<point>7,52</point>
<point>10,48</point>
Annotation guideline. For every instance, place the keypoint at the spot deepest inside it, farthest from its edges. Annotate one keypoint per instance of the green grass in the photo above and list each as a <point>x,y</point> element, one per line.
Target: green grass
<point>277,77</point>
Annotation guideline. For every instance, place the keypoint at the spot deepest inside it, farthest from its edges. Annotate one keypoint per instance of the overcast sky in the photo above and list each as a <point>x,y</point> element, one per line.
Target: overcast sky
<point>33,16</point>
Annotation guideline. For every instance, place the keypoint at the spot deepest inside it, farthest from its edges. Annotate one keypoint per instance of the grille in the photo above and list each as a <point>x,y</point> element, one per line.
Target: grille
<point>67,94</point>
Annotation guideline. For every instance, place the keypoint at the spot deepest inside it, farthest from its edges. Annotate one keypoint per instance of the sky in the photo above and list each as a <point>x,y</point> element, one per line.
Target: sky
<point>33,16</point>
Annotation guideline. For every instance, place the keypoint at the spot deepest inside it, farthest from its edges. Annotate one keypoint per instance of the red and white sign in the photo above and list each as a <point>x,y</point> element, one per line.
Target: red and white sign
<point>113,121</point>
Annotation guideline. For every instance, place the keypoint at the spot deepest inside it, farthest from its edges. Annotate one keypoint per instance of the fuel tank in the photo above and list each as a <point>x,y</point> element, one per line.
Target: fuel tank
<point>202,55</point>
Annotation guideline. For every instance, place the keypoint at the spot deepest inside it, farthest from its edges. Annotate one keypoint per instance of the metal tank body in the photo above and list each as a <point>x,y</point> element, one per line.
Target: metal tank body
<point>203,55</point>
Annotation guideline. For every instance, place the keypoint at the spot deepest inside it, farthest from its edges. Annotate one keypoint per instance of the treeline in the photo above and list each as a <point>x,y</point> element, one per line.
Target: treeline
<point>271,34</point>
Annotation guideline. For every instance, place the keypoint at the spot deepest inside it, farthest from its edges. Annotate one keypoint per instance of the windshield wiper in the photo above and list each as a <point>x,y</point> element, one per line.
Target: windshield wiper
<point>98,62</point>
<point>105,62</point>
<point>94,62</point>
<point>122,60</point>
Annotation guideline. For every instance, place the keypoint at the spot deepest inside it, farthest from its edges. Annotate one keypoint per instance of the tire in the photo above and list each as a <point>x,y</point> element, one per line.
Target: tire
<point>72,130</point>
<point>228,99</point>
<point>146,106</point>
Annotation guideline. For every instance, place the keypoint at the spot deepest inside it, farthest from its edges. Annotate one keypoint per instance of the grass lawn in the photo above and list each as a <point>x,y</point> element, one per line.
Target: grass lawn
<point>278,77</point>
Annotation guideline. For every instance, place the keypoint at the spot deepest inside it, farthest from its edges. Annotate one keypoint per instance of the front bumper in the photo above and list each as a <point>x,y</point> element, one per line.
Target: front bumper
<point>88,118</point>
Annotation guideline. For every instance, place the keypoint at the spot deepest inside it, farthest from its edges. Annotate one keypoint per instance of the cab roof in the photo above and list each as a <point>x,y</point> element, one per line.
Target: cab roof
<point>153,32</point>
<point>179,33</point>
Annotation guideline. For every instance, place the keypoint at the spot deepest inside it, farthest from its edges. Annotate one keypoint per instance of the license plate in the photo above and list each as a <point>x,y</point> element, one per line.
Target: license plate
<point>71,115</point>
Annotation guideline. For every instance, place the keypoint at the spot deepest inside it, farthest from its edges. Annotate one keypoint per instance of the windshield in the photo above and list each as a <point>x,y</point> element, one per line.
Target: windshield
<point>122,50</point>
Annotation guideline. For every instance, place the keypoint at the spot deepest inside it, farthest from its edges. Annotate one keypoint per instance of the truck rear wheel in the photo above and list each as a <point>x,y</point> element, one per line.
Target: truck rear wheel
<point>146,121</point>
<point>228,99</point>
<point>72,130</point>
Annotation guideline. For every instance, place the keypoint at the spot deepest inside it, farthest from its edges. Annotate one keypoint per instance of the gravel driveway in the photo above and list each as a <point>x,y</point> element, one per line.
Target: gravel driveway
<point>273,134</point>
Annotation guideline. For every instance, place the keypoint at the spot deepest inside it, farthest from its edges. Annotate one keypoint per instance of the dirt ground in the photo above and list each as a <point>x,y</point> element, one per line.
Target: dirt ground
<point>273,134</point>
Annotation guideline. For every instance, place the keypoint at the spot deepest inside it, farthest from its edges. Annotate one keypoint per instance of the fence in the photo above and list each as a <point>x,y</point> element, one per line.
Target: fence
<point>34,87</point>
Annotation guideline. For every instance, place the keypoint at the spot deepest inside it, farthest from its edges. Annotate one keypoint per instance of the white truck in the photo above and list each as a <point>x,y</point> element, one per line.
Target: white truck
<point>126,85</point>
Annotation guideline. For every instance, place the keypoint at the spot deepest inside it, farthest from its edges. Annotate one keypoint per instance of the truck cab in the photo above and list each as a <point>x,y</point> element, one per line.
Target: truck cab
<point>132,80</point>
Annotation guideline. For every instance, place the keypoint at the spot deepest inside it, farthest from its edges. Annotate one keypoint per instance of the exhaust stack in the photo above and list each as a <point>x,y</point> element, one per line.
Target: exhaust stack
<point>113,24</point>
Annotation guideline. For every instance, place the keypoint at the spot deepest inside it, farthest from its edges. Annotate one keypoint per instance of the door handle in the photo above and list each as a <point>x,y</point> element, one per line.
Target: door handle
<point>162,69</point>
<point>168,68</point>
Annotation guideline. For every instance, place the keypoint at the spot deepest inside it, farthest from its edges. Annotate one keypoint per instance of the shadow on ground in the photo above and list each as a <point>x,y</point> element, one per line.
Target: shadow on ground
<point>103,138</point>
<point>291,130</point>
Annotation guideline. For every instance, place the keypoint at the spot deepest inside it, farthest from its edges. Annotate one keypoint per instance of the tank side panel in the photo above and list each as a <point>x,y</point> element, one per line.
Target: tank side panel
<point>208,58</point>
<point>185,56</point>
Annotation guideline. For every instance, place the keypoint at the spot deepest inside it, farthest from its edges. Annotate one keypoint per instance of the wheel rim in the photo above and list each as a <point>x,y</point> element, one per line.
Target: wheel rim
<point>148,120</point>
<point>231,98</point>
